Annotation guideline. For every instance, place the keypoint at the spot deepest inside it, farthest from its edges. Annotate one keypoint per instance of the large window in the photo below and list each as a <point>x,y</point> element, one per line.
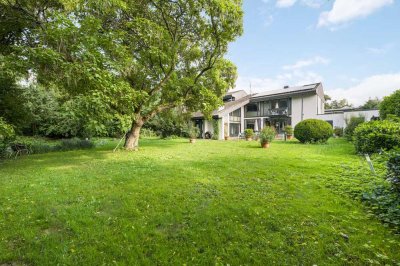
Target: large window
<point>249,123</point>
<point>234,129</point>
<point>235,116</point>
<point>268,108</point>
<point>252,110</point>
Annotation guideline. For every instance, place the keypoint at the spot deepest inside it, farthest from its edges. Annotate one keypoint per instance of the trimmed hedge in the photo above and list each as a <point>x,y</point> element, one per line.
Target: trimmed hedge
<point>313,130</point>
<point>374,136</point>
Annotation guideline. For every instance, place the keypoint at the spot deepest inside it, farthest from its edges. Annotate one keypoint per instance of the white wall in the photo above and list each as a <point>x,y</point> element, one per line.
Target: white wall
<point>296,110</point>
<point>367,114</point>
<point>339,119</point>
<point>308,104</point>
<point>208,126</point>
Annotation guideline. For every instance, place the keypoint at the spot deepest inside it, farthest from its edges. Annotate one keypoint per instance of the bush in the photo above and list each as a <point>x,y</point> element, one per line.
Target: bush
<point>267,135</point>
<point>148,133</point>
<point>6,131</point>
<point>390,105</point>
<point>191,130</point>
<point>7,134</point>
<point>313,130</point>
<point>248,133</point>
<point>352,124</point>
<point>374,136</point>
<point>289,130</point>
<point>338,131</point>
<point>75,144</point>
<point>215,123</point>
<point>393,170</point>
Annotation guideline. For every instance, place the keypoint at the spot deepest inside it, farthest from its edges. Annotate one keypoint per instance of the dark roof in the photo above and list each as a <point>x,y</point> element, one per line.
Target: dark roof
<point>313,88</point>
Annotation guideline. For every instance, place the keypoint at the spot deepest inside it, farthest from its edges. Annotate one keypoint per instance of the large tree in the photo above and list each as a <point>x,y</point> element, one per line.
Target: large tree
<point>390,106</point>
<point>133,58</point>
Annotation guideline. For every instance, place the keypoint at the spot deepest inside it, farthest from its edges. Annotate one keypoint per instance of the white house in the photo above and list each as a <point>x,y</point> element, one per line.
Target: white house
<point>278,108</point>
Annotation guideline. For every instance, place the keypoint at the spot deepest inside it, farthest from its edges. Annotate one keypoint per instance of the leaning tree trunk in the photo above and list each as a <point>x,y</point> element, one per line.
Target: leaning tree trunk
<point>132,137</point>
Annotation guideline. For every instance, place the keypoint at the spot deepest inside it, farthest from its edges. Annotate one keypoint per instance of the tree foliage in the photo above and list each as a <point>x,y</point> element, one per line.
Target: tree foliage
<point>336,104</point>
<point>390,105</point>
<point>372,103</point>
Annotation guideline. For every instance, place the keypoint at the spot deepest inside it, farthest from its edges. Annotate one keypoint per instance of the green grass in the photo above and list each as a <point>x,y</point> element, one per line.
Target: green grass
<point>213,202</point>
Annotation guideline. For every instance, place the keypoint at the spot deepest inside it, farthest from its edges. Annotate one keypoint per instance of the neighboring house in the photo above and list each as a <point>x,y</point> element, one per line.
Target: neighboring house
<point>278,108</point>
<point>340,117</point>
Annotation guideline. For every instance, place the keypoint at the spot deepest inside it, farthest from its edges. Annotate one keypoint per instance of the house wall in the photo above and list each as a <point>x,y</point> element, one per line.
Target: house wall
<point>304,107</point>
<point>339,119</point>
<point>208,126</point>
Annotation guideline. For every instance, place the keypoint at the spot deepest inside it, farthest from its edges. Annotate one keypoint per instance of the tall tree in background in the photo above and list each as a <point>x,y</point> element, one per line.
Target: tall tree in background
<point>126,58</point>
<point>336,104</point>
<point>372,103</point>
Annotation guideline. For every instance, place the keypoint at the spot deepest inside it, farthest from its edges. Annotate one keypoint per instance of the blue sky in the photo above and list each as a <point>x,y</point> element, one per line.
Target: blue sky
<point>352,46</point>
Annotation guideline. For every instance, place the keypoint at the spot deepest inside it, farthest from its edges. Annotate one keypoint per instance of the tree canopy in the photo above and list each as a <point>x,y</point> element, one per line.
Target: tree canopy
<point>372,103</point>
<point>390,105</point>
<point>336,104</point>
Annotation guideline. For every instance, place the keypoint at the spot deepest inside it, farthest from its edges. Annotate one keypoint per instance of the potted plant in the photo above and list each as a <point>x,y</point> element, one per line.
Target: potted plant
<point>193,132</point>
<point>226,137</point>
<point>289,132</point>
<point>249,133</point>
<point>267,135</point>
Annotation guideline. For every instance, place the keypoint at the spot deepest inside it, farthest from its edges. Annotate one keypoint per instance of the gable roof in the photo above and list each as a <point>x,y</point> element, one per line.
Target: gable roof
<point>227,108</point>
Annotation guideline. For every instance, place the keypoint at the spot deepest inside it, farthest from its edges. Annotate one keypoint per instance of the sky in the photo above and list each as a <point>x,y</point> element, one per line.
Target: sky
<point>351,46</point>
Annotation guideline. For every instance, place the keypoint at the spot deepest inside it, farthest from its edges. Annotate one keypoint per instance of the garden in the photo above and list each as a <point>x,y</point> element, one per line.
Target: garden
<point>212,202</point>
<point>83,83</point>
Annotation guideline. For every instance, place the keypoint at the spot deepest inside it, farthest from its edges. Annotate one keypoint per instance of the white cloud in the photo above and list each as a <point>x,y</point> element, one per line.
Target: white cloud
<point>380,50</point>
<point>307,62</point>
<point>285,3</point>
<point>373,86</point>
<point>346,10</point>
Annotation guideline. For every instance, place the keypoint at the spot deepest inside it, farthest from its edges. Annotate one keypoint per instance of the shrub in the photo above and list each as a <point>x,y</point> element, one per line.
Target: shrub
<point>338,131</point>
<point>267,135</point>
<point>289,130</point>
<point>6,131</point>
<point>313,130</point>
<point>191,130</point>
<point>393,170</point>
<point>75,144</point>
<point>248,133</point>
<point>7,134</point>
<point>352,124</point>
<point>390,105</point>
<point>215,123</point>
<point>374,136</point>
<point>148,133</point>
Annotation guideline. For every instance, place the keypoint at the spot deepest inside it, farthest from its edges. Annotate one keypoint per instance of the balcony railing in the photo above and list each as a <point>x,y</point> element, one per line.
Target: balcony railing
<point>278,111</point>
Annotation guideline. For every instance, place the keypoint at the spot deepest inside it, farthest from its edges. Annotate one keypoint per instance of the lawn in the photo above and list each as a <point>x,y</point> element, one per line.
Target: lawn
<point>212,202</point>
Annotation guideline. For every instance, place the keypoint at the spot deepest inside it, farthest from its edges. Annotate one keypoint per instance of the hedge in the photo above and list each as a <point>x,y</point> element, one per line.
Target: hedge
<point>374,136</point>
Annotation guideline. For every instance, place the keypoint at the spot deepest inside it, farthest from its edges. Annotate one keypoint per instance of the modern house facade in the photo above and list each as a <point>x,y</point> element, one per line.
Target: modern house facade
<point>278,108</point>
